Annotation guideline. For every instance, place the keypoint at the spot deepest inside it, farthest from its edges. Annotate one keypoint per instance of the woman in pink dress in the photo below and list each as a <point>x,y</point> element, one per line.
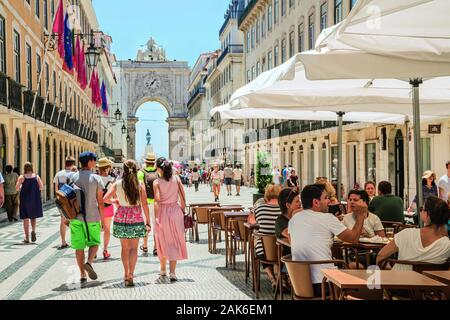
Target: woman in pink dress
<point>169,231</point>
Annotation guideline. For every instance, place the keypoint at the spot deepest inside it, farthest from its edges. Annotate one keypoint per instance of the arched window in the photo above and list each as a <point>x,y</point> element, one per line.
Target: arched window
<point>61,159</point>
<point>17,147</point>
<point>54,157</point>
<point>311,165</point>
<point>29,148</point>
<point>3,142</point>
<point>47,167</point>
<point>324,160</point>
<point>39,156</point>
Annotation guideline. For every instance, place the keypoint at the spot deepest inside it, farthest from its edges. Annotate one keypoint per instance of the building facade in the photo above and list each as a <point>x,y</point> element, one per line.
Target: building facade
<point>274,31</point>
<point>63,121</point>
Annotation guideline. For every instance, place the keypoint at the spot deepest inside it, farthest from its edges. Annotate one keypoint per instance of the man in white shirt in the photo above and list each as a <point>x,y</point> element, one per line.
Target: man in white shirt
<point>444,184</point>
<point>237,177</point>
<point>61,178</point>
<point>312,232</point>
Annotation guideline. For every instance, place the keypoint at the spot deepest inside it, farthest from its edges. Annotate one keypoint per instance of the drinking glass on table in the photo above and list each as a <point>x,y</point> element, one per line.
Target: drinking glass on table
<point>390,233</point>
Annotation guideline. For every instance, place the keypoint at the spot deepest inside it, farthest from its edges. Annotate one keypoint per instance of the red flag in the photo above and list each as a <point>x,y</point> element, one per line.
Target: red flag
<point>98,93</point>
<point>58,27</point>
<point>92,87</point>
<point>83,71</point>
<point>76,60</point>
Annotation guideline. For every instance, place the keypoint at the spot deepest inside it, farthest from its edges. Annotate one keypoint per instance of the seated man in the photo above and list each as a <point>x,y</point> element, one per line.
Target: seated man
<point>387,206</point>
<point>372,224</point>
<point>311,232</point>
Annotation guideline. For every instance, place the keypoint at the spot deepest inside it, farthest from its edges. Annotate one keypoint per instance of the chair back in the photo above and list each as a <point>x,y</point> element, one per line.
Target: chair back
<point>202,215</point>
<point>218,219</point>
<point>239,228</point>
<point>420,266</point>
<point>269,243</point>
<point>300,276</point>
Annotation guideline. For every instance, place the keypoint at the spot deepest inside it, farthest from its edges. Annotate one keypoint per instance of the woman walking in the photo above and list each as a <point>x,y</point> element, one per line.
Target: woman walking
<point>104,167</point>
<point>30,186</point>
<point>216,179</point>
<point>129,224</point>
<point>169,214</point>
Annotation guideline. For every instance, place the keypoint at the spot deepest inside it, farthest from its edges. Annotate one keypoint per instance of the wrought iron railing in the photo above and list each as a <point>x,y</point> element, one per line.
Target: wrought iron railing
<point>232,48</point>
<point>3,89</point>
<point>15,95</point>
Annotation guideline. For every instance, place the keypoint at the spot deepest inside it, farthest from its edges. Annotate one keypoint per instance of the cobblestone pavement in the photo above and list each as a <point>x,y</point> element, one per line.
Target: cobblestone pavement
<point>40,271</point>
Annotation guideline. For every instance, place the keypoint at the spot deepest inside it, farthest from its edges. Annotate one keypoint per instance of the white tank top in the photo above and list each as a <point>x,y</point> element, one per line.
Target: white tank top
<point>121,196</point>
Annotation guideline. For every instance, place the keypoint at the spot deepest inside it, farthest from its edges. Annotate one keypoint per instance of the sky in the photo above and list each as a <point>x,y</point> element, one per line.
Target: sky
<point>185,28</point>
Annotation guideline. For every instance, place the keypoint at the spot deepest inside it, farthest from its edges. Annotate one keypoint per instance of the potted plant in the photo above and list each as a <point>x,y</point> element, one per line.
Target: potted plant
<point>263,174</point>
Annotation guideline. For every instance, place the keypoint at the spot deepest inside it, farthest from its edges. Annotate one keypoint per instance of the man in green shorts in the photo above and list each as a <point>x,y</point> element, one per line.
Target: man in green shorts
<point>147,176</point>
<point>86,229</point>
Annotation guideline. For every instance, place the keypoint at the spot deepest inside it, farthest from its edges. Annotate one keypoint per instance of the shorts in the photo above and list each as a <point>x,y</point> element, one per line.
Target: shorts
<point>237,182</point>
<point>78,234</point>
<point>228,181</point>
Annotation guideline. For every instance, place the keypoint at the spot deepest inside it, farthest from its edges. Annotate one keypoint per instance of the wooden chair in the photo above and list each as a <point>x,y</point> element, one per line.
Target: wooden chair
<point>269,243</point>
<point>398,226</point>
<point>238,235</point>
<point>200,217</point>
<point>218,225</point>
<point>300,275</point>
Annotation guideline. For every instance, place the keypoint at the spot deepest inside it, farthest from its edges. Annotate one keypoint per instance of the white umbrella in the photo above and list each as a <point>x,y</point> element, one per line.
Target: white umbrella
<point>388,39</point>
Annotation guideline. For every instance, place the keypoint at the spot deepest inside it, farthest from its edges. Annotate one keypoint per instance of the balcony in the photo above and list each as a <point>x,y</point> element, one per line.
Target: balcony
<point>48,112</point>
<point>231,49</point>
<point>28,97</point>
<point>15,95</point>
<point>3,89</point>
<point>197,93</point>
<point>247,11</point>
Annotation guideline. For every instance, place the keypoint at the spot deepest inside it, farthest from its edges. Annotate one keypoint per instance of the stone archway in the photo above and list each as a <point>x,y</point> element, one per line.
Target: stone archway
<point>162,82</point>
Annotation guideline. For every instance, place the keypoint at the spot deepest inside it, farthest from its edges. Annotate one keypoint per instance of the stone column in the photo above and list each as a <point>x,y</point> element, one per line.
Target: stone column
<point>178,139</point>
<point>131,146</point>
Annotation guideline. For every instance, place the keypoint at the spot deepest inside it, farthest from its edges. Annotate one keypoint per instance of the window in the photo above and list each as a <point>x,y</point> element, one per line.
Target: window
<point>291,44</point>
<point>253,73</point>
<point>52,8</point>
<point>323,167</point>
<point>248,76</point>
<point>291,3</point>
<point>301,37</point>
<point>253,36</point>
<point>45,4</point>
<point>54,87</point>
<point>38,70</point>
<point>257,31</point>
<point>311,31</point>
<point>269,17</point>
<point>275,56</point>
<point>426,153</point>
<point>283,50</point>
<point>311,164</point>
<point>269,60</point>
<point>276,10</point>
<point>337,11</point>
<point>37,8</point>
<point>263,26</point>
<point>3,142</point>
<point>29,148</point>
<point>258,68</point>
<point>334,162</point>
<point>47,79</point>
<point>371,162</point>
<point>2,45</point>
<point>17,56</point>
<point>29,70</point>
<point>18,148</point>
<point>352,3</point>
<point>283,7</point>
<point>248,41</point>
<point>323,16</point>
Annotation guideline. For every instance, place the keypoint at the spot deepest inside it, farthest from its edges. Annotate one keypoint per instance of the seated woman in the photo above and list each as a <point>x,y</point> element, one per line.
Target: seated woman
<point>266,214</point>
<point>372,224</point>
<point>427,244</point>
<point>290,204</point>
<point>334,207</point>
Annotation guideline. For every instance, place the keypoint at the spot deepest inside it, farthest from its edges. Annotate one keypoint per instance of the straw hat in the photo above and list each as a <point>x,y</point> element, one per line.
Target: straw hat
<point>151,158</point>
<point>427,174</point>
<point>104,162</point>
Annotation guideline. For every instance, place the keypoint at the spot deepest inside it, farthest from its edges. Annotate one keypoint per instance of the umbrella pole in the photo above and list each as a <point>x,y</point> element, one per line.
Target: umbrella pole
<point>339,164</point>
<point>415,83</point>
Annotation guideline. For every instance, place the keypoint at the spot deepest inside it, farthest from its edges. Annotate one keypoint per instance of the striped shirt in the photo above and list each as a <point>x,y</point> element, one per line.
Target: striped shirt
<point>266,215</point>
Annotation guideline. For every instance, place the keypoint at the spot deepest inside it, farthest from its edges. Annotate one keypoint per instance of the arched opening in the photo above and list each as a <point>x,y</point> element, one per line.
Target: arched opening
<point>152,131</point>
<point>61,159</point>
<point>29,148</point>
<point>47,167</point>
<point>54,158</point>
<point>39,156</point>
<point>17,147</point>
<point>3,142</point>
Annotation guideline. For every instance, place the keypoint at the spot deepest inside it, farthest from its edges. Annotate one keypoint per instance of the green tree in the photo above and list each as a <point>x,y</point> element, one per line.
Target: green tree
<point>263,171</point>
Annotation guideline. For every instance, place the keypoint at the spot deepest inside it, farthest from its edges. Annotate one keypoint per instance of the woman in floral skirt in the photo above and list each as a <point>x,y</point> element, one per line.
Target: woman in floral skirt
<point>129,225</point>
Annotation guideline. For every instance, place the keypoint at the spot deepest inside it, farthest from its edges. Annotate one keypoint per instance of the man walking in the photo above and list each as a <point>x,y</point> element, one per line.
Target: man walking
<point>85,230</point>
<point>147,176</point>
<point>228,175</point>
<point>61,178</point>
<point>237,177</point>
<point>11,194</point>
<point>444,184</point>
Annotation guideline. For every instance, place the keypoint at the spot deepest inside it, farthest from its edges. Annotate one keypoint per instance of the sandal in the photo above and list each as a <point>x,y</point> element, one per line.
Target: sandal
<point>63,246</point>
<point>26,242</point>
<point>33,236</point>
<point>106,255</point>
<point>144,249</point>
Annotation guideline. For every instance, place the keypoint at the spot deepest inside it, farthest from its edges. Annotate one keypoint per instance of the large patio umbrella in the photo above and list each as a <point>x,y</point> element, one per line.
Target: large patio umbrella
<point>297,98</point>
<point>404,39</point>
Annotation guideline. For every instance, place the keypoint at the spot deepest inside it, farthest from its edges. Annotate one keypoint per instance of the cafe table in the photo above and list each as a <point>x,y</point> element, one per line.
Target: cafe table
<point>191,213</point>
<point>363,244</point>
<point>441,276</point>
<point>230,215</point>
<point>210,211</point>
<point>348,280</point>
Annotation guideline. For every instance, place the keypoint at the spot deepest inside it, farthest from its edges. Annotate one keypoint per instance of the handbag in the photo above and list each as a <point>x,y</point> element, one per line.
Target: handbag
<point>188,221</point>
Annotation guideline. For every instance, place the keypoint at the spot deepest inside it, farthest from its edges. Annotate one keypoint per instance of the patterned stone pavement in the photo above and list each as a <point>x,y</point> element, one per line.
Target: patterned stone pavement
<point>40,271</point>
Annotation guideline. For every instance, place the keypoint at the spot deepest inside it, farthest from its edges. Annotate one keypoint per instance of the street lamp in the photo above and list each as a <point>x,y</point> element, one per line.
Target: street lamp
<point>124,129</point>
<point>212,121</point>
<point>128,139</point>
<point>118,114</point>
<point>92,53</point>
